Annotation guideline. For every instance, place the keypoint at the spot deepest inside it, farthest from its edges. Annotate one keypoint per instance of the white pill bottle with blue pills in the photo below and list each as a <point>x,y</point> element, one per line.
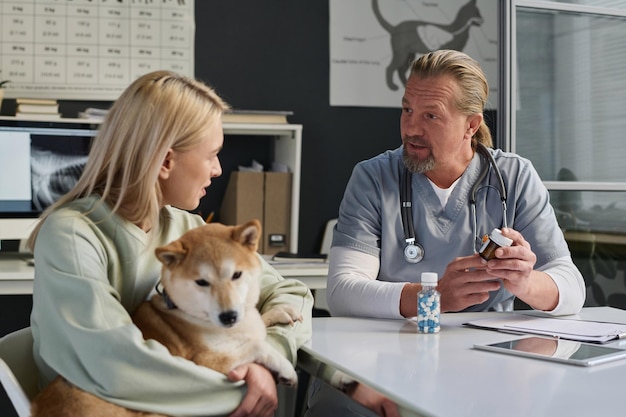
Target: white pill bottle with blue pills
<point>428,304</point>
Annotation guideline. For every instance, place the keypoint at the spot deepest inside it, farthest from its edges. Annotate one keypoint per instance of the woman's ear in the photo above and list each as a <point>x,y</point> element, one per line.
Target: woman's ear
<point>166,166</point>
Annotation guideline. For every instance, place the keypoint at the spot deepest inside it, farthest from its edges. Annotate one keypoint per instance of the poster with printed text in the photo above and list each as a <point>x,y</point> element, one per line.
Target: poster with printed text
<point>372,44</point>
<point>91,49</point>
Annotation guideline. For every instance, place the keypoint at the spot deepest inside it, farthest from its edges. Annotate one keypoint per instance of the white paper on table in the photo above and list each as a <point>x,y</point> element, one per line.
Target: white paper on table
<point>581,330</point>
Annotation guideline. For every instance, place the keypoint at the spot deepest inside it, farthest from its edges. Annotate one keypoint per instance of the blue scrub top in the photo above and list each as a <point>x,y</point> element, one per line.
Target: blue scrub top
<point>370,220</point>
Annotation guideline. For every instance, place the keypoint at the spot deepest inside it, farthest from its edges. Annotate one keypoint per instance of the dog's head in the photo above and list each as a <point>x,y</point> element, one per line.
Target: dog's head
<point>212,272</point>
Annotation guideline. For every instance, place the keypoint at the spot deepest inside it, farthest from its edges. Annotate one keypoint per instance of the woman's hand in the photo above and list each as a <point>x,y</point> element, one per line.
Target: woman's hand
<point>261,400</point>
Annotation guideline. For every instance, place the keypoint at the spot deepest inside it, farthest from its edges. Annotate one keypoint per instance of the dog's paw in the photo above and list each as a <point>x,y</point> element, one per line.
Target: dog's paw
<point>288,377</point>
<point>341,381</point>
<point>282,370</point>
<point>281,314</point>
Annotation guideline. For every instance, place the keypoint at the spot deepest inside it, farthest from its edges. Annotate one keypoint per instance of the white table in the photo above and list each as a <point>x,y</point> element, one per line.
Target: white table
<point>442,375</point>
<point>314,275</point>
<point>16,275</point>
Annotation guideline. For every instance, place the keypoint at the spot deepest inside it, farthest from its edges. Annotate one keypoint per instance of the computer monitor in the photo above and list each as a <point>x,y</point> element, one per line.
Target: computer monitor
<point>39,162</point>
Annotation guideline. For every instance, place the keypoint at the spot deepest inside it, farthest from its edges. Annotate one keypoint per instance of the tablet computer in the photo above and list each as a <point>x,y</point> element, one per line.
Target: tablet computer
<point>557,350</point>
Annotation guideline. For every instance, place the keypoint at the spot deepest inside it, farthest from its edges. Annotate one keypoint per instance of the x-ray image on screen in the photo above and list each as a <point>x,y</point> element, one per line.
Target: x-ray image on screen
<point>53,174</point>
<point>39,162</point>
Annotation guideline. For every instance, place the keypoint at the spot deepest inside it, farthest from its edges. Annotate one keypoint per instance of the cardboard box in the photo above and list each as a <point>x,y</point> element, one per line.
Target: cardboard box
<point>276,212</point>
<point>260,195</point>
<point>243,200</point>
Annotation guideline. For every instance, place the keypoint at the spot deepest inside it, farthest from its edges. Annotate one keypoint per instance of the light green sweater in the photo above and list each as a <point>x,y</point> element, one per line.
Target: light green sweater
<point>91,272</point>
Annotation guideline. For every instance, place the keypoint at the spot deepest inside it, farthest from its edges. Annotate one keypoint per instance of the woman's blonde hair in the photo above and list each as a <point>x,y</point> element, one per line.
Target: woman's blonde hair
<point>158,111</point>
<point>470,79</point>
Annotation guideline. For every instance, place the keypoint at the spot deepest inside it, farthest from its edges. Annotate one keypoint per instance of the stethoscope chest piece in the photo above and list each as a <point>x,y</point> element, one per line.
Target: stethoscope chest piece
<point>413,253</point>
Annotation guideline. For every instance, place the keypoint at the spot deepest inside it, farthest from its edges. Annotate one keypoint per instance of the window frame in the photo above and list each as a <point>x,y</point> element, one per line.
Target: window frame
<point>507,84</point>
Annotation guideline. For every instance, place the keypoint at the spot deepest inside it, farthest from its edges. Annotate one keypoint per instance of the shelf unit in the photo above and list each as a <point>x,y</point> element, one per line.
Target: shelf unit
<point>287,150</point>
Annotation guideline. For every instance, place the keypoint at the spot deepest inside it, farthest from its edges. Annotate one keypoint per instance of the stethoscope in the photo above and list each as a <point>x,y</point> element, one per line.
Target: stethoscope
<point>414,252</point>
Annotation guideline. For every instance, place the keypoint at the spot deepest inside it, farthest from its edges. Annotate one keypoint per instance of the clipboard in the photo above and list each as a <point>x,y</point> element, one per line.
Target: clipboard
<point>570,329</point>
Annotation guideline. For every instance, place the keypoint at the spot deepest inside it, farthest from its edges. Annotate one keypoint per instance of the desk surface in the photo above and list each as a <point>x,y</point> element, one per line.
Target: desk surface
<point>442,375</point>
<point>16,275</point>
<point>314,275</point>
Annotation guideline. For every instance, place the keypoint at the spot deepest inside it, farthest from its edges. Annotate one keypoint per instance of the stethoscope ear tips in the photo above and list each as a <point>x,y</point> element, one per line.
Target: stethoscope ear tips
<point>413,253</point>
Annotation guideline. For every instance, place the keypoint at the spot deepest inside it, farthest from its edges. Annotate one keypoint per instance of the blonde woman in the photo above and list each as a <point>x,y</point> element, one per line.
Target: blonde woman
<point>156,152</point>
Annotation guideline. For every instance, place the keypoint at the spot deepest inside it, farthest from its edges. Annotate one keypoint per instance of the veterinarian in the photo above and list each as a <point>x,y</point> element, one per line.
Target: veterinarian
<point>155,153</point>
<point>426,205</point>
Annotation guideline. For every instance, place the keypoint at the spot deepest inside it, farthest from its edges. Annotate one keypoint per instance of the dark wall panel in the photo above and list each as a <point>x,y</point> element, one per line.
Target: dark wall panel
<point>274,55</point>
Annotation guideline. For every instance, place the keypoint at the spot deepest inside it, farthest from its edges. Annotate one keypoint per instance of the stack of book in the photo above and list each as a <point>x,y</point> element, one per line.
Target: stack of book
<point>93,113</point>
<point>256,116</point>
<point>37,109</point>
<point>288,257</point>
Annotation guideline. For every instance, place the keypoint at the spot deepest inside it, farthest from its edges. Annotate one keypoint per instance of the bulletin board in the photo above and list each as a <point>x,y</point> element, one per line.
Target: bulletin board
<point>91,49</point>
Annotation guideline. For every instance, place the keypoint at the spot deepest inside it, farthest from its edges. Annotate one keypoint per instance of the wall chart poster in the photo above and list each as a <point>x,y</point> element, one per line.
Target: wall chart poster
<point>373,42</point>
<point>91,49</point>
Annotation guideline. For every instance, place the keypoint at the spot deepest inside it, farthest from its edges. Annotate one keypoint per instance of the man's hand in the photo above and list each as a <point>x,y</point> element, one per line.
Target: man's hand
<point>515,266</point>
<point>261,400</point>
<point>465,283</point>
<point>468,280</point>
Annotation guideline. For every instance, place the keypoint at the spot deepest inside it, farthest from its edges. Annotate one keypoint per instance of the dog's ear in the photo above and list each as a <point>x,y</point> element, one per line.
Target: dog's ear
<point>248,234</point>
<point>171,254</point>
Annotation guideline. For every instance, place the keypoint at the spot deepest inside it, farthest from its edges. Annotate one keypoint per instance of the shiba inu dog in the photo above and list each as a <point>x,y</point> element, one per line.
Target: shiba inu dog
<point>206,313</point>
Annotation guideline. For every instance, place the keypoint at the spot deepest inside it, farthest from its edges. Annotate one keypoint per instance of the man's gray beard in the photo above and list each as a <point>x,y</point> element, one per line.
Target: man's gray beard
<point>417,167</point>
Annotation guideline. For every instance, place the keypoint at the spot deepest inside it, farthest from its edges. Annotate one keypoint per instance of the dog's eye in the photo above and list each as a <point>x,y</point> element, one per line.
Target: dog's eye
<point>237,275</point>
<point>202,282</point>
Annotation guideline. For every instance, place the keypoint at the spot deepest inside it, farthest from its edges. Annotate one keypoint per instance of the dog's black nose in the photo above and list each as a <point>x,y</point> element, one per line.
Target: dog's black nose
<point>228,318</point>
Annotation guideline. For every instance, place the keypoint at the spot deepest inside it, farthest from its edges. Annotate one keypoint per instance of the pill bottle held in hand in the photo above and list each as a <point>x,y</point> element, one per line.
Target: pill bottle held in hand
<point>428,304</point>
<point>490,244</point>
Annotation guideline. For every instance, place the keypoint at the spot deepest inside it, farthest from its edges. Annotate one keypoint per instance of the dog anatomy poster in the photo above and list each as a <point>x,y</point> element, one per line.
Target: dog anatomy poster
<point>373,42</point>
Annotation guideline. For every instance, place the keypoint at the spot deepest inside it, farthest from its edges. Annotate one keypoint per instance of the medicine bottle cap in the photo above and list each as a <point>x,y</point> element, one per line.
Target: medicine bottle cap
<point>429,278</point>
<point>496,236</point>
